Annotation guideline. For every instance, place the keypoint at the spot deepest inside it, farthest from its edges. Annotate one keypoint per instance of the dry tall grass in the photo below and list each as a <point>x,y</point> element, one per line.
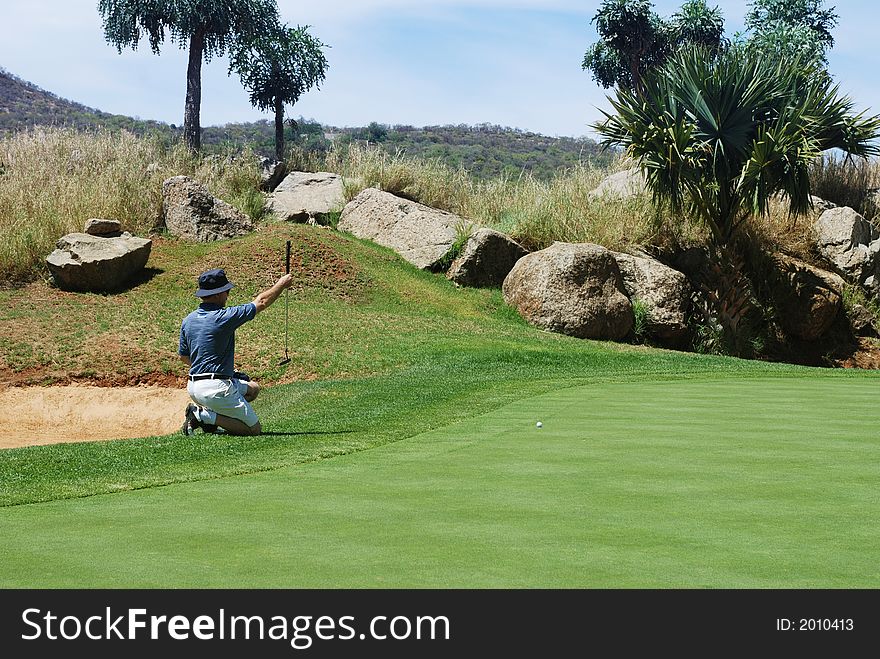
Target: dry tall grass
<point>533,212</point>
<point>53,180</point>
<point>847,181</point>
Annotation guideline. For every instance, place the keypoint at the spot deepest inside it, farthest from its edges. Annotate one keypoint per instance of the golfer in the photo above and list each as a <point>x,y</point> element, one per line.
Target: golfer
<point>207,345</point>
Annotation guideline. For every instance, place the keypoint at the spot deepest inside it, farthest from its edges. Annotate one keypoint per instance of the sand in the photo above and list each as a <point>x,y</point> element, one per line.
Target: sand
<point>30,416</point>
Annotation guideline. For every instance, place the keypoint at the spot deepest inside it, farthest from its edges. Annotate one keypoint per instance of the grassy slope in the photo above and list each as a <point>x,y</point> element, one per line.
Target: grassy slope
<point>654,468</point>
<point>379,352</point>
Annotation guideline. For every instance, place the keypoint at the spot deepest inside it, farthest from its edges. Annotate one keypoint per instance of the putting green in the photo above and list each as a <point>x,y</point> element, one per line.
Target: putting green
<point>763,482</point>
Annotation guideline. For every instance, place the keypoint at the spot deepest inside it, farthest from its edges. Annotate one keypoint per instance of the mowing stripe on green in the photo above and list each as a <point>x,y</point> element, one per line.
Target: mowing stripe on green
<point>762,482</point>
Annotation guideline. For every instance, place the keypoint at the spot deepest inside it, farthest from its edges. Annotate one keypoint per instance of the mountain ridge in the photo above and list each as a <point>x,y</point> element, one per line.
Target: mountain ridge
<point>485,150</point>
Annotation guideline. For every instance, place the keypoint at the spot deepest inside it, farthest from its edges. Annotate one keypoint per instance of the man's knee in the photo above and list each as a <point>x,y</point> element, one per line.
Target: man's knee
<point>253,390</point>
<point>255,429</point>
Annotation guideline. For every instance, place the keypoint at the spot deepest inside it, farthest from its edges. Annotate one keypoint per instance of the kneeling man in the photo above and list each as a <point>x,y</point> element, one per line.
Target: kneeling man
<point>222,396</point>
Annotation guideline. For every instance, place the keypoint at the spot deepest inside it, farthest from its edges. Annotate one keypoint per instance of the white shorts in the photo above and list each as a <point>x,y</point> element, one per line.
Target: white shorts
<point>225,397</point>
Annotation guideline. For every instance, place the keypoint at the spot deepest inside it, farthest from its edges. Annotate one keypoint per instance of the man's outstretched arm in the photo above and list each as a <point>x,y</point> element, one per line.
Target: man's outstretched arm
<point>268,296</point>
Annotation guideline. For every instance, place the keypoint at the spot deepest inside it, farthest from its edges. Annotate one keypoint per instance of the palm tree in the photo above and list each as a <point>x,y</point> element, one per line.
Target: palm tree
<point>204,27</point>
<point>277,67</point>
<point>721,134</point>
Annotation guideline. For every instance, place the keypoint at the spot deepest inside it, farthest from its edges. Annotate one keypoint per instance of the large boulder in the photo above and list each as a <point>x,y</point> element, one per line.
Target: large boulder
<point>807,299</point>
<point>83,262</point>
<point>191,212</point>
<point>573,289</point>
<point>420,234</point>
<point>486,259</point>
<point>665,292</point>
<point>307,196</point>
<point>848,242</point>
<point>622,185</point>
<point>271,173</point>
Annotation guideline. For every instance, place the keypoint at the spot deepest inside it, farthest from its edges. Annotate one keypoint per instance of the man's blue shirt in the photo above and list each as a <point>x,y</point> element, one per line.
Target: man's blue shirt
<point>207,336</point>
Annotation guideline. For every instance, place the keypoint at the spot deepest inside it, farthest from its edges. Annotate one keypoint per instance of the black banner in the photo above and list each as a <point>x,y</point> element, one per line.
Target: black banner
<point>318,623</point>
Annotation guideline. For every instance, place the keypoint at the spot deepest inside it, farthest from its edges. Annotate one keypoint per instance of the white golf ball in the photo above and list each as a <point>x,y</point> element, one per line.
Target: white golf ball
<point>539,425</point>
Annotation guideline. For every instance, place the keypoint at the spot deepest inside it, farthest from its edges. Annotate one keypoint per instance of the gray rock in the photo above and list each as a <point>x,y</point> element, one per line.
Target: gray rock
<point>622,185</point>
<point>191,212</point>
<point>272,173</point>
<point>486,259</point>
<point>665,292</point>
<point>307,196</point>
<point>862,321</point>
<point>848,242</point>
<point>820,205</point>
<point>106,228</point>
<point>420,234</point>
<point>84,262</point>
<point>807,299</point>
<point>573,289</point>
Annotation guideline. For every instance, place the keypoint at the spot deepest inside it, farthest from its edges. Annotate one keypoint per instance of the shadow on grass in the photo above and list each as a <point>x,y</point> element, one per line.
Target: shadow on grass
<point>142,277</point>
<point>306,433</point>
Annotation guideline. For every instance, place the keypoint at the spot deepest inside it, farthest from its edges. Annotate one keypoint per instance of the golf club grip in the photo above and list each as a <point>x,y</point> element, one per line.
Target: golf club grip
<point>287,260</point>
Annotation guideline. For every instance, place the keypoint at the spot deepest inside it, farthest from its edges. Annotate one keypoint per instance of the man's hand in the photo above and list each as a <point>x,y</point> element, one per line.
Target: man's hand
<point>268,296</point>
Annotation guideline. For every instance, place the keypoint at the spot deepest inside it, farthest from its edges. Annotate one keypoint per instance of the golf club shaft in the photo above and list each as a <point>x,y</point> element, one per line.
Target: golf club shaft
<point>286,303</point>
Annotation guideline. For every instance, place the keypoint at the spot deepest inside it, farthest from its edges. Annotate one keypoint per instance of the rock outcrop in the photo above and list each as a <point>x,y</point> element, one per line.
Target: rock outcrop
<point>665,292</point>
<point>271,174</point>
<point>97,264</point>
<point>485,260</point>
<point>849,243</point>
<point>573,289</point>
<point>307,197</point>
<point>420,234</point>
<point>190,211</point>
<point>807,299</point>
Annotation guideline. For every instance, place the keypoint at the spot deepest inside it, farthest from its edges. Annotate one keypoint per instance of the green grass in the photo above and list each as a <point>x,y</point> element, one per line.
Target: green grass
<point>400,446</point>
<point>379,350</point>
<point>757,482</point>
<point>451,379</point>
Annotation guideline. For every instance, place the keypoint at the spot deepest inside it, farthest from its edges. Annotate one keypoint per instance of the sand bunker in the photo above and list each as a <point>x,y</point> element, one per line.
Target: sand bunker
<point>50,415</point>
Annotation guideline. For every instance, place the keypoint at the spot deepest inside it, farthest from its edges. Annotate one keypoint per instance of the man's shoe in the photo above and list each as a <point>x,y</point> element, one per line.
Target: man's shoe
<point>191,422</point>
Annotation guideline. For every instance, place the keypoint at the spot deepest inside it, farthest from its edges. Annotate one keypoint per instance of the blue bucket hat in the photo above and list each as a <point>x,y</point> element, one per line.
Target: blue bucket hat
<point>213,282</point>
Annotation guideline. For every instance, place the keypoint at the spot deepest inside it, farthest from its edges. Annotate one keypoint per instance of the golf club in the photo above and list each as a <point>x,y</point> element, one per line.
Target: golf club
<point>286,271</point>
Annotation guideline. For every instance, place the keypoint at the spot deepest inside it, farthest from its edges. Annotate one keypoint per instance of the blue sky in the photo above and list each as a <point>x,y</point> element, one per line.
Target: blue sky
<point>420,62</point>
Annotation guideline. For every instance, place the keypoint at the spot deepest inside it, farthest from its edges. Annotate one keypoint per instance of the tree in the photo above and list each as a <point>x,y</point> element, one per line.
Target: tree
<point>722,135</point>
<point>205,27</point>
<point>634,40</point>
<point>278,67</point>
<point>696,24</point>
<point>791,28</point>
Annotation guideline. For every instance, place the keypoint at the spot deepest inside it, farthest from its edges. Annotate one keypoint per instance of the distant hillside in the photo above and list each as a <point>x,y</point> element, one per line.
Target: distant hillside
<point>23,105</point>
<point>484,150</point>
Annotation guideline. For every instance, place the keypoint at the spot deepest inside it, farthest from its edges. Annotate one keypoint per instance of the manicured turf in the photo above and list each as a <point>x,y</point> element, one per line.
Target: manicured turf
<point>702,482</point>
